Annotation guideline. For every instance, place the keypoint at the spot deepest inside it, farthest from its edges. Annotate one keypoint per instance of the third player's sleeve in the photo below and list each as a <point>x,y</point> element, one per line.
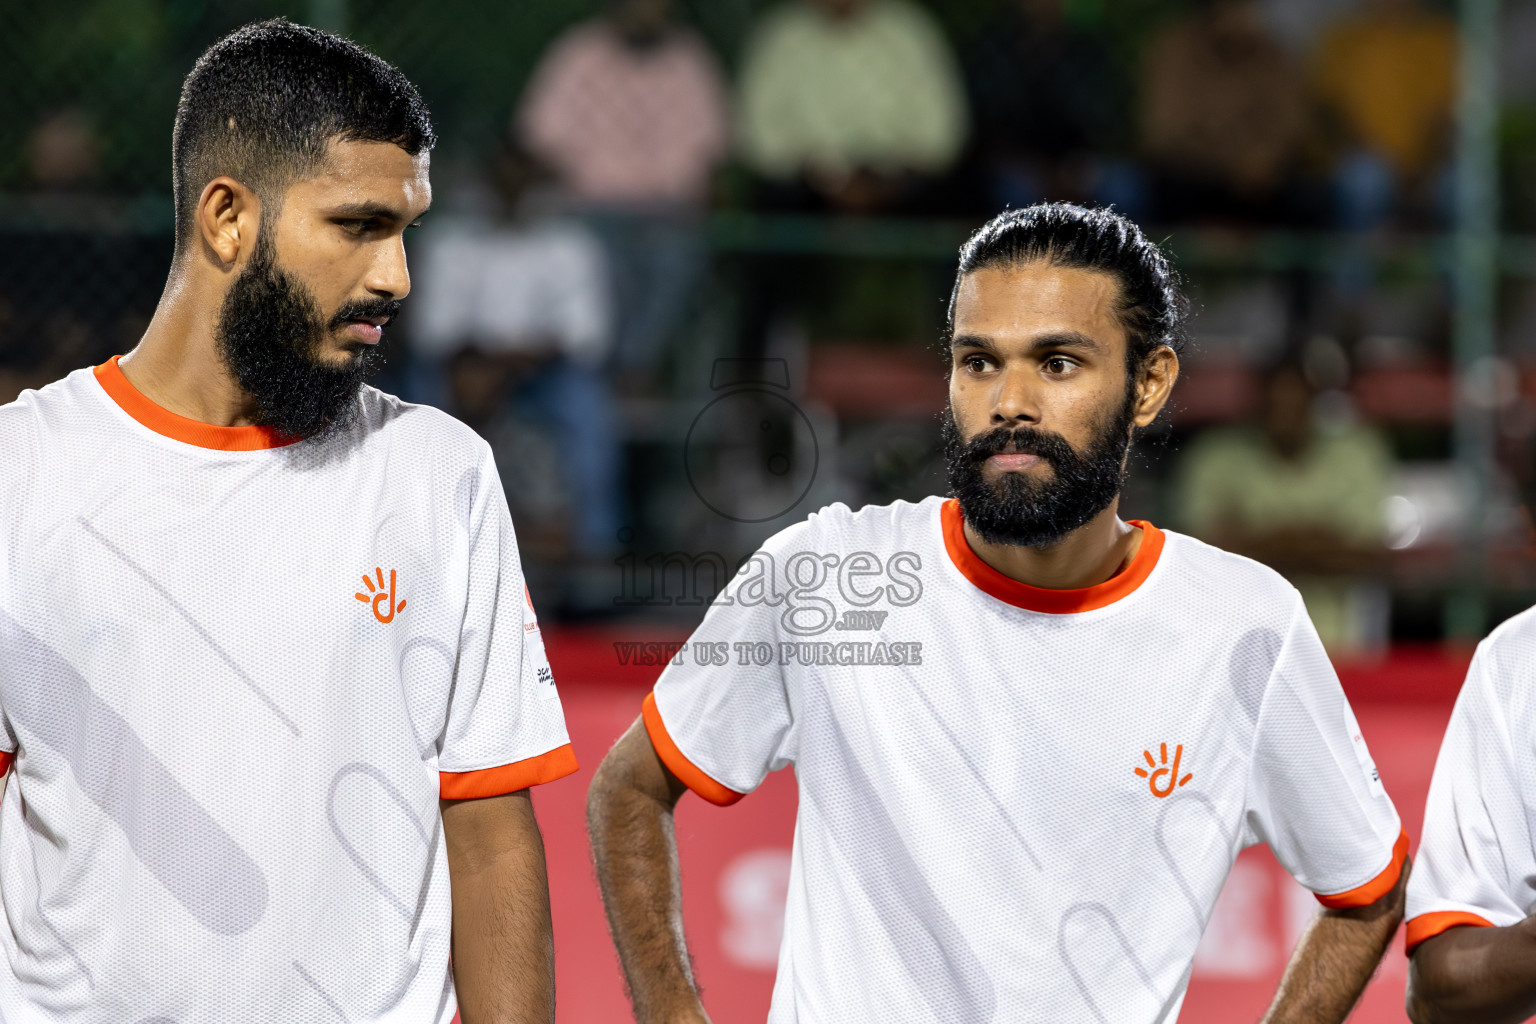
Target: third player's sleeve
<point>721,716</point>
<point>1313,792</point>
<point>1476,864</point>
<point>505,729</point>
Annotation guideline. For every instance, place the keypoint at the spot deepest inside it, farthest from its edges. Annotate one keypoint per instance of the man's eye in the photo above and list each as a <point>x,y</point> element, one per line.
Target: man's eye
<point>976,364</point>
<point>1058,364</point>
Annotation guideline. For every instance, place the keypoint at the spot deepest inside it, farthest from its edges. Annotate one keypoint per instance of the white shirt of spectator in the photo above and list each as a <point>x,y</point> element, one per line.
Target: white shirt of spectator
<point>539,289</point>
<point>1017,804</point>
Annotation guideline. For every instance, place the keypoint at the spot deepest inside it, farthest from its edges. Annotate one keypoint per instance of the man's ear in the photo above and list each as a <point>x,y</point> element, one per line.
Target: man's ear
<point>228,217</point>
<point>1157,375</point>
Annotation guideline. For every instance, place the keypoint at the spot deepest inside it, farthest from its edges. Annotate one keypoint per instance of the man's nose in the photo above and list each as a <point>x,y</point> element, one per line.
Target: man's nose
<point>388,277</point>
<point>1014,401</point>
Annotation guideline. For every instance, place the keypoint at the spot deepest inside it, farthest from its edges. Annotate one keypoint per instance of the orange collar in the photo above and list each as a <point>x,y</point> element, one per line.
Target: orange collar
<point>163,421</point>
<point>1041,599</point>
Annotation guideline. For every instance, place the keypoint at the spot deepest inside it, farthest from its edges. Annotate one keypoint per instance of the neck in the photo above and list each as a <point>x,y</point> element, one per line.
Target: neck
<point>1087,556</point>
<point>177,364</point>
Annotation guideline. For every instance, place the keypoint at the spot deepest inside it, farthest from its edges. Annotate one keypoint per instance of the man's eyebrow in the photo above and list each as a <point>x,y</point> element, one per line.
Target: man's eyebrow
<point>972,341</point>
<point>367,211</point>
<point>1059,339</point>
<point>1066,339</point>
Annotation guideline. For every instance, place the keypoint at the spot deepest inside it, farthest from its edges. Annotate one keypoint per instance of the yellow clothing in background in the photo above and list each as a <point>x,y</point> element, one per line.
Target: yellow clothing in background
<point>1392,84</point>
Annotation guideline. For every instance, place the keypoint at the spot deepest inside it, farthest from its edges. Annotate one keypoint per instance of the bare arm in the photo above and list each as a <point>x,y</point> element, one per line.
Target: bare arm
<point>1486,975</point>
<point>629,814</point>
<point>1334,960</point>
<point>503,940</point>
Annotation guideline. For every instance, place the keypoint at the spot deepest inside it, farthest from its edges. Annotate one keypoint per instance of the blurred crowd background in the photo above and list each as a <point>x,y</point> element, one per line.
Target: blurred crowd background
<point>688,262</point>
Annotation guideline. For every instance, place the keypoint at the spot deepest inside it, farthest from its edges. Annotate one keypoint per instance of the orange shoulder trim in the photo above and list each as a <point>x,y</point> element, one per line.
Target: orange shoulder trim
<point>1041,599</point>
<point>689,773</point>
<point>5,761</point>
<point>1427,926</point>
<point>1376,888</point>
<point>508,778</point>
<point>189,431</point>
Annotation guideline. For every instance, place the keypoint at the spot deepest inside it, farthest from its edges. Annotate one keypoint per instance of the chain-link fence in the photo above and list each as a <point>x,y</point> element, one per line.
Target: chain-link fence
<point>843,295</point>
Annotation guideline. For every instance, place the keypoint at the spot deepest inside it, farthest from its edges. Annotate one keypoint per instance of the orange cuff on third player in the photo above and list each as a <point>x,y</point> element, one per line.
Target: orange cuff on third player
<point>1427,926</point>
<point>678,764</point>
<point>1376,888</point>
<point>508,778</point>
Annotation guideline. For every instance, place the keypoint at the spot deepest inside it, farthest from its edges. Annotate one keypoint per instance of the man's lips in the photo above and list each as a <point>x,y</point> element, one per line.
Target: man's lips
<point>367,331</point>
<point>1009,462</point>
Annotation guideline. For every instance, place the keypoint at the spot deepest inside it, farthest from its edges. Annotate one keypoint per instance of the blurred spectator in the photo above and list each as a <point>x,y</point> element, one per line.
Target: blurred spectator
<point>1297,24</point>
<point>1386,80</point>
<point>629,111</point>
<point>1517,42</point>
<point>851,104</point>
<point>46,330</point>
<point>1223,116</point>
<point>518,309</point>
<point>63,152</point>
<point>13,379</point>
<point>1304,498</point>
<point>1050,106</point>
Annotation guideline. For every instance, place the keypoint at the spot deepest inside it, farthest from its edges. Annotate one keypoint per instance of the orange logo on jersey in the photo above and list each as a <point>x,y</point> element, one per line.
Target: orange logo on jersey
<point>378,595</point>
<point>1170,775</point>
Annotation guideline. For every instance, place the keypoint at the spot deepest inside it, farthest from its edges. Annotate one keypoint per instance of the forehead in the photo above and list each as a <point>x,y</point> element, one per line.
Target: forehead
<point>1023,302</point>
<point>368,173</point>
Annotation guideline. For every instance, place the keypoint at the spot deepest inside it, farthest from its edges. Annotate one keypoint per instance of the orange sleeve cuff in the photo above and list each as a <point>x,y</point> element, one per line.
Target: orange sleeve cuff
<point>1427,926</point>
<point>679,765</point>
<point>1376,888</point>
<point>5,761</point>
<point>508,778</point>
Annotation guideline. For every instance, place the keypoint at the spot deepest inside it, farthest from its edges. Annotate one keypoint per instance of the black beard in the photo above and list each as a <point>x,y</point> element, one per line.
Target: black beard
<point>1031,513</point>
<point>270,333</point>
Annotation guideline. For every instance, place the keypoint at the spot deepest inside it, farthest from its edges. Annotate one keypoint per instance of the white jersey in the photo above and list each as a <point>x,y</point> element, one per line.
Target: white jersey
<point>235,679</point>
<point>1017,804</point>
<point>1477,861</point>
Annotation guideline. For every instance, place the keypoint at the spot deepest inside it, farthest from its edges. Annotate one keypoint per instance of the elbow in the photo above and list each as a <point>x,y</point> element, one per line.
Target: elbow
<point>607,800</point>
<point>1420,1004</point>
<point>630,779</point>
<point>601,794</point>
<point>1445,985</point>
<point>1418,1009</point>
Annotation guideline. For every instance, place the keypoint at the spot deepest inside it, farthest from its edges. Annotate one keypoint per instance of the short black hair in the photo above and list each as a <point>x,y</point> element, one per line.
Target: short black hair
<point>262,104</point>
<point>1152,308</point>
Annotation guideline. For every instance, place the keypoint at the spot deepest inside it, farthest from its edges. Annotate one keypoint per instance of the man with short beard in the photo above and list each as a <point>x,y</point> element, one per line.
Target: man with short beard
<point>1024,780</point>
<point>271,685</point>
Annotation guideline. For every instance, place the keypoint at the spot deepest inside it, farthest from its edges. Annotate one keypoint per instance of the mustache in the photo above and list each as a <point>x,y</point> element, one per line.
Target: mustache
<point>366,309</point>
<point>1051,447</point>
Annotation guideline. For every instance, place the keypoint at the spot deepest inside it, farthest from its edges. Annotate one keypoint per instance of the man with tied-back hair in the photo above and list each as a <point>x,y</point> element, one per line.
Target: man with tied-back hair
<point>271,686</point>
<point>1025,807</point>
